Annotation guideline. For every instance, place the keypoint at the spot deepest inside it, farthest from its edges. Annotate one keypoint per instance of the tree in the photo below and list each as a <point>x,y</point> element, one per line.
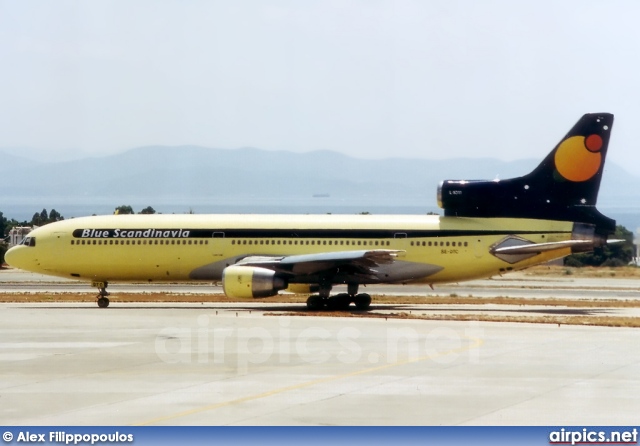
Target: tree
<point>615,254</point>
<point>36,220</point>
<point>3,246</point>
<point>55,216</point>
<point>124,209</point>
<point>148,210</point>
<point>3,225</point>
<point>42,218</point>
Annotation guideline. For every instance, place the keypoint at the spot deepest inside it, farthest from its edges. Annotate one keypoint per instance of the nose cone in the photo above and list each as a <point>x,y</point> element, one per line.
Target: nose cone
<point>18,257</point>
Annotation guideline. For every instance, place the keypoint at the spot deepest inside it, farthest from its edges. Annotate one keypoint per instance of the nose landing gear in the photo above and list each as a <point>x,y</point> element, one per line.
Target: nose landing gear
<point>102,299</point>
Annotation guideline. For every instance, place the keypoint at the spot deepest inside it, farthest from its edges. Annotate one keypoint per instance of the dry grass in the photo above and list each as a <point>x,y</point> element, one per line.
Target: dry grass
<point>602,321</point>
<point>607,321</point>
<point>622,272</point>
<point>44,297</point>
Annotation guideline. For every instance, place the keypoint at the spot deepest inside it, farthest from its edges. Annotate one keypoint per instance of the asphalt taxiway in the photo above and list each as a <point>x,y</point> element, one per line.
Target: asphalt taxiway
<point>515,284</point>
<point>255,364</point>
<point>217,364</point>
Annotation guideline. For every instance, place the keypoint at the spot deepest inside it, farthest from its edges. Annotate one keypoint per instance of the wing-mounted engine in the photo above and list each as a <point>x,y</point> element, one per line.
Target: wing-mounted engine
<point>251,282</point>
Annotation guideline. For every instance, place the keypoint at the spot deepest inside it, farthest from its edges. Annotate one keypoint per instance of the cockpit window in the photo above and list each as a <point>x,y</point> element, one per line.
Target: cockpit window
<point>29,241</point>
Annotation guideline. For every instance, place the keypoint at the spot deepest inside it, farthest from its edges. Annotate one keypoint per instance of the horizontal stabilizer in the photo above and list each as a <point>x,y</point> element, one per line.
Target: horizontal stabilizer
<point>537,248</point>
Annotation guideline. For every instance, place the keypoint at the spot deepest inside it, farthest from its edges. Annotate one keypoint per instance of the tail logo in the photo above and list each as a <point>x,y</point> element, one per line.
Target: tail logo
<point>578,158</point>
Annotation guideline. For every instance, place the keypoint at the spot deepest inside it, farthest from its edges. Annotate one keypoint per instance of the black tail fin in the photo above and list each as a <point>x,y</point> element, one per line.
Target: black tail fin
<point>563,187</point>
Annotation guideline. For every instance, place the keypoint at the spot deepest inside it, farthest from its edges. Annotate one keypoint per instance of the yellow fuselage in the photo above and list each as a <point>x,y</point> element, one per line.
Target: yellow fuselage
<point>198,247</point>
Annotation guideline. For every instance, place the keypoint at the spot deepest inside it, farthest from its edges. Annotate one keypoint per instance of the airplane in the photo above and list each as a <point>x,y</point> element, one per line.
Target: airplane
<point>489,227</point>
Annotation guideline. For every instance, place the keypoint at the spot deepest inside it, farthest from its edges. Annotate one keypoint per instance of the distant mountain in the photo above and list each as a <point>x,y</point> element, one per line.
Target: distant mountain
<point>12,161</point>
<point>189,175</point>
<point>200,172</point>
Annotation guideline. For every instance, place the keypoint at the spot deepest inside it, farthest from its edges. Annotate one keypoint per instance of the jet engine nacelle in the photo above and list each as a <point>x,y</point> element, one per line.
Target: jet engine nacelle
<point>251,282</point>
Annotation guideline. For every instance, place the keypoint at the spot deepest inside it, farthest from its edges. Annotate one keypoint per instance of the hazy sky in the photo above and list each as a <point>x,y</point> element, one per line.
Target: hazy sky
<point>374,78</point>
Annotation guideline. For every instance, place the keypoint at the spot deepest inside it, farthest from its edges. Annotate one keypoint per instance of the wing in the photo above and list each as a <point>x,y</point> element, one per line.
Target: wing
<point>344,263</point>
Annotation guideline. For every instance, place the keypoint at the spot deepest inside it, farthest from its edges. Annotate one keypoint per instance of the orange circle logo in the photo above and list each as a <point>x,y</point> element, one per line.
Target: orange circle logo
<point>578,158</point>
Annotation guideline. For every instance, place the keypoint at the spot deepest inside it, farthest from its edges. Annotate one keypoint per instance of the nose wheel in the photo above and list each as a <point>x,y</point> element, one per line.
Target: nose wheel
<point>102,299</point>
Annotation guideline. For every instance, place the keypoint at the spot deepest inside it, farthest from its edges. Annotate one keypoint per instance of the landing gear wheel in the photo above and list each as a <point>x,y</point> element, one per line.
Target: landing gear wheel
<point>315,303</point>
<point>339,302</point>
<point>363,301</point>
<point>103,301</point>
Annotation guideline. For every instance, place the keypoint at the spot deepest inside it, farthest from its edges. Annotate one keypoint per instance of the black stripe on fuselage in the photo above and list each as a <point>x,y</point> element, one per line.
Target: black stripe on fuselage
<point>304,233</point>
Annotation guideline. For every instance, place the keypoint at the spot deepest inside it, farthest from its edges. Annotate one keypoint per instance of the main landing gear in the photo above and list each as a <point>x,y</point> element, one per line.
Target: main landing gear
<point>339,302</point>
<point>102,299</point>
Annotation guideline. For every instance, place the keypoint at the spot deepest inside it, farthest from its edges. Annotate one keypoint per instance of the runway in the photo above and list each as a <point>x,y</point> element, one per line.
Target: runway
<point>218,364</point>
<point>516,284</point>
<point>257,363</point>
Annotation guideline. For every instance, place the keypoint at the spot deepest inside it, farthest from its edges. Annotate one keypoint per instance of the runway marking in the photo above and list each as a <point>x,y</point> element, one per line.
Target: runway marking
<point>476,343</point>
